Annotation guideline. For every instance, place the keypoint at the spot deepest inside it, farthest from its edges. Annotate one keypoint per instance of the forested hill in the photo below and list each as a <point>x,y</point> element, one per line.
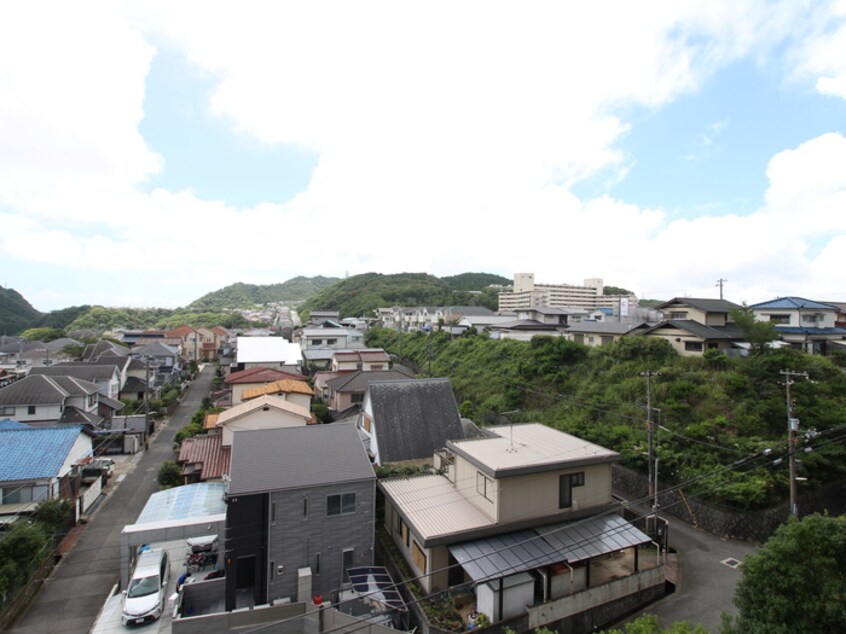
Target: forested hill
<point>16,314</point>
<point>242,295</point>
<point>361,294</point>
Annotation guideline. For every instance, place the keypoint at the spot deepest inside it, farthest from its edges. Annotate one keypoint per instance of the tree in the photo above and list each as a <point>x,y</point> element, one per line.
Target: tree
<point>759,334</point>
<point>170,475</point>
<point>795,583</point>
<point>42,334</point>
<point>648,624</point>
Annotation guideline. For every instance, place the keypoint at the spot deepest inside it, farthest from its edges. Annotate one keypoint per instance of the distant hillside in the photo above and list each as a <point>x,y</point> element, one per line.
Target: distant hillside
<point>242,295</point>
<point>361,294</point>
<point>474,281</point>
<point>16,314</point>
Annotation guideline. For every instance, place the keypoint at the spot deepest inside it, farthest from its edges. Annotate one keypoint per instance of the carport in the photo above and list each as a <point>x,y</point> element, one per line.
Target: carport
<point>193,510</point>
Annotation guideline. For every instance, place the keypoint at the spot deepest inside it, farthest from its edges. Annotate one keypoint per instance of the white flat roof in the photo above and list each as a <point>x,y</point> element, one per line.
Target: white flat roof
<point>268,350</point>
<point>530,446</point>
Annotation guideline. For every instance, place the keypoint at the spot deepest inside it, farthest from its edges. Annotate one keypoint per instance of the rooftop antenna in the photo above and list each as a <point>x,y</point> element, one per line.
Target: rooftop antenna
<point>511,447</point>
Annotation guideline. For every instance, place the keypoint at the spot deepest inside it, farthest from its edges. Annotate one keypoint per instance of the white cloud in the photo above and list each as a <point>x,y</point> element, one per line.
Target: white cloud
<point>448,137</point>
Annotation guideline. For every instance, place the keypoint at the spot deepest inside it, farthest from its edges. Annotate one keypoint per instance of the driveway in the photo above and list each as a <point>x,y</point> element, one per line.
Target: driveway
<point>73,595</point>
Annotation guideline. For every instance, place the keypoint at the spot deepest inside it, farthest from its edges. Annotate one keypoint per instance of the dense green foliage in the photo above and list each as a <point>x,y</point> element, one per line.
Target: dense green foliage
<point>615,290</point>
<point>42,334</point>
<point>796,582</point>
<point>16,314</point>
<point>99,318</point>
<point>648,624</point>
<point>360,295</point>
<point>759,334</point>
<point>242,295</point>
<point>474,281</point>
<point>61,319</point>
<point>26,544</point>
<point>170,475</point>
<point>717,409</point>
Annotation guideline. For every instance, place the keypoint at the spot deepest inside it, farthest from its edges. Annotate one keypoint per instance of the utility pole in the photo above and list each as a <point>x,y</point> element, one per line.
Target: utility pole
<point>650,433</point>
<point>792,428</point>
<point>720,283</point>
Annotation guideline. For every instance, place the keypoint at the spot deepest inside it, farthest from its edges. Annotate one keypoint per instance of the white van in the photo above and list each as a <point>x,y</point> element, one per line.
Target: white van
<point>144,597</point>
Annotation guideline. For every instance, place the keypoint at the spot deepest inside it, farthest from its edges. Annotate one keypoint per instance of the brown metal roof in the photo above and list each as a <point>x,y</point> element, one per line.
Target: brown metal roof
<point>283,386</point>
<point>207,451</point>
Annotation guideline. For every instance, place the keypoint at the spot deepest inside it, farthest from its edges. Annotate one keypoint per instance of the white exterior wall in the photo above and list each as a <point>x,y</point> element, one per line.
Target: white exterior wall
<point>466,481</point>
<point>48,412</point>
<point>82,448</point>
<point>260,419</point>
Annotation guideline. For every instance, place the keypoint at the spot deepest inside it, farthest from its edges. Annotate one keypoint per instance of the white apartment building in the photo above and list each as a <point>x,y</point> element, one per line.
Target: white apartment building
<point>527,294</point>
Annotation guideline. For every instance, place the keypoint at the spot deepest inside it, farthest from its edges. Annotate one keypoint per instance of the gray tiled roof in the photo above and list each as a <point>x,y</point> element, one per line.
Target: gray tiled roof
<point>359,380</point>
<point>88,371</point>
<point>605,327</point>
<point>706,304</point>
<point>39,389</point>
<point>413,417</point>
<point>297,457</point>
<point>700,330</point>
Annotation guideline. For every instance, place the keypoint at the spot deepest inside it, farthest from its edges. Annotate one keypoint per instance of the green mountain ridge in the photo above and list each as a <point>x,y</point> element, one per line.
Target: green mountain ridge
<point>241,295</point>
<point>362,294</point>
<point>16,314</point>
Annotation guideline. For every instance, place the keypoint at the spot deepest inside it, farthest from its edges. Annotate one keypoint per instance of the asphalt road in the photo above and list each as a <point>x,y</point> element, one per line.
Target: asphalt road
<point>72,596</point>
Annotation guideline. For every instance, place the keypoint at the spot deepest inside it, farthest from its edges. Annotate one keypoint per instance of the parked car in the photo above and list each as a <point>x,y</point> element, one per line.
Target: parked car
<point>106,464</point>
<point>144,597</point>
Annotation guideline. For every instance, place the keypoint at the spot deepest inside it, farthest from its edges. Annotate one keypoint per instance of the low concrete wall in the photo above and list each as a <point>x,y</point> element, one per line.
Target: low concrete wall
<point>334,621</point>
<point>291,618</point>
<point>91,494</point>
<point>599,605</point>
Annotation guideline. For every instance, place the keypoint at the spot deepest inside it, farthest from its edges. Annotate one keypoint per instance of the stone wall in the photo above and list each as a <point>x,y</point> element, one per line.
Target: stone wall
<point>753,526</point>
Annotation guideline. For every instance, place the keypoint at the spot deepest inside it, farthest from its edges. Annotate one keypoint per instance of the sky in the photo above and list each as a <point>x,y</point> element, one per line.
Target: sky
<point>152,152</point>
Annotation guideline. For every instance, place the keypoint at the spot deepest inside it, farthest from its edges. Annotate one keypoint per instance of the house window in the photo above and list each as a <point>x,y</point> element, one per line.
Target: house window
<point>331,342</point>
<point>606,340</point>
<point>357,398</point>
<point>272,569</point>
<point>272,513</point>
<point>809,319</point>
<point>418,556</point>
<point>693,346</point>
<point>402,529</point>
<point>377,366</point>
<point>30,410</point>
<point>780,319</point>
<point>682,314</point>
<point>340,504</point>
<point>484,486</point>
<point>317,342</point>
<point>590,340</point>
<point>366,424</point>
<point>305,508</point>
<point>316,564</point>
<point>566,483</point>
<point>7,411</point>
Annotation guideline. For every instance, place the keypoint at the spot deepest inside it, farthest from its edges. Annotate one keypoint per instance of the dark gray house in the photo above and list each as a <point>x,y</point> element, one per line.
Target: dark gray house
<point>409,419</point>
<point>300,512</point>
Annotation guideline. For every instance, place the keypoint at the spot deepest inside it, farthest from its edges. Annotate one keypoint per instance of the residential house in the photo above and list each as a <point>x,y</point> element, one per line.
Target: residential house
<point>694,325</point>
<point>244,380</point>
<point>804,324</point>
<point>204,458</point>
<point>48,400</point>
<point>300,513</point>
<point>316,317</point>
<point>603,333</point>
<point>526,517</point>
<point>92,351</point>
<point>268,352</point>
<point>107,377</point>
<point>454,314</point>
<point>297,392</point>
<point>555,316</point>
<point>479,322</point>
<point>333,338</point>
<point>367,359</point>
<point>263,412</point>
<point>347,389</point>
<point>523,330</point>
<point>407,420</point>
<point>164,361</point>
<point>40,463</point>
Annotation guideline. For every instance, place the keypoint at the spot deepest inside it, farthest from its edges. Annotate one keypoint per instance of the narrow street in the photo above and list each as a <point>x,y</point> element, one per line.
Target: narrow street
<point>72,596</point>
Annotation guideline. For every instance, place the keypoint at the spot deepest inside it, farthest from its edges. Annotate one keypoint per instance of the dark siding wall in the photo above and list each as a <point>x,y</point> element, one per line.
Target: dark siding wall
<point>295,540</point>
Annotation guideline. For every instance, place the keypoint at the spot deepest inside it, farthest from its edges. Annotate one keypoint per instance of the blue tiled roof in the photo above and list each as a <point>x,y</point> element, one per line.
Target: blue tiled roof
<point>794,303</point>
<point>810,331</point>
<point>8,423</point>
<point>35,452</point>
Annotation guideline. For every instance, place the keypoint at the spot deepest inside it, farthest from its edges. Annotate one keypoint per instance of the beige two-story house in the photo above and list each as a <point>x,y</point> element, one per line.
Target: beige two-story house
<point>526,517</point>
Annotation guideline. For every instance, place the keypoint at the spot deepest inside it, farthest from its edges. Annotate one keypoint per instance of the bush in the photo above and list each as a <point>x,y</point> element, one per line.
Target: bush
<point>170,475</point>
